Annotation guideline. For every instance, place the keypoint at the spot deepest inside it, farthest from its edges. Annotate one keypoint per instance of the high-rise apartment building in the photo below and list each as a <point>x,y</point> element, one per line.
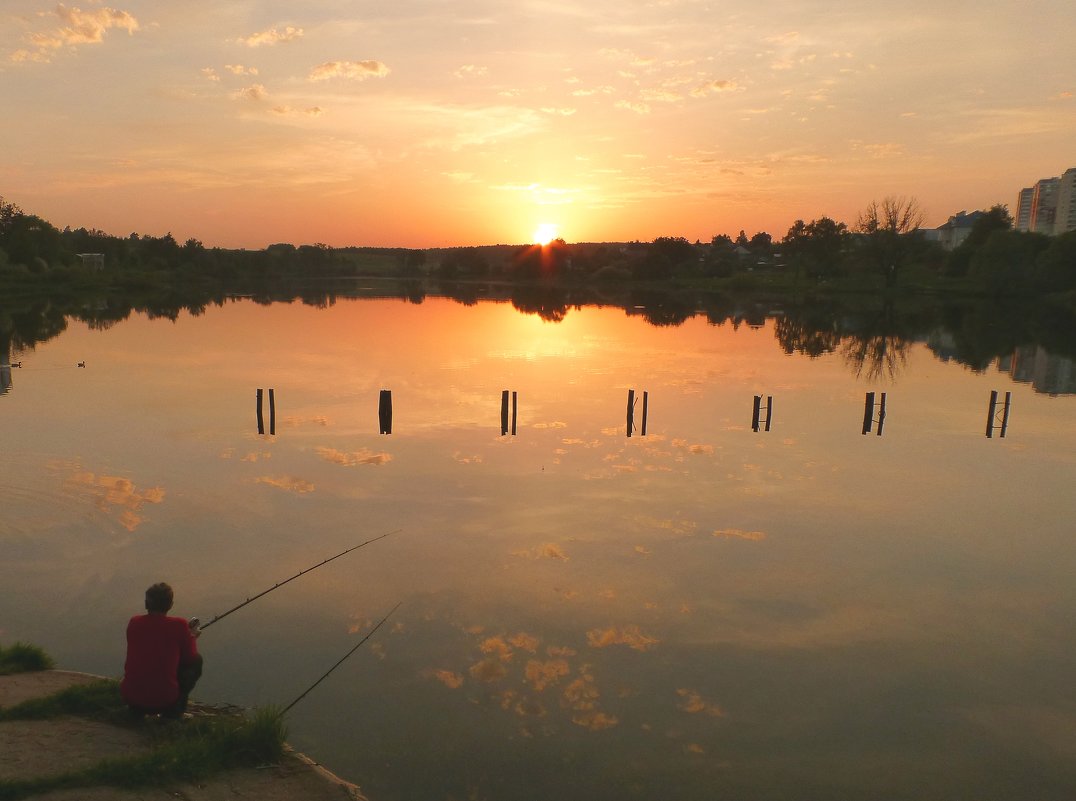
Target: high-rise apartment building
<point>1065,207</point>
<point>1023,209</point>
<point>1044,206</point>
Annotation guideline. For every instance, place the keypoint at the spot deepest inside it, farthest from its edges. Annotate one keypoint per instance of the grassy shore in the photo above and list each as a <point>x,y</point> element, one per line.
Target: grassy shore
<point>180,751</point>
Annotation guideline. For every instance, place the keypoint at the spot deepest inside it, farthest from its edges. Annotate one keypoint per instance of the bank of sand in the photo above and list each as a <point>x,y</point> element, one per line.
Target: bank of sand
<point>35,748</point>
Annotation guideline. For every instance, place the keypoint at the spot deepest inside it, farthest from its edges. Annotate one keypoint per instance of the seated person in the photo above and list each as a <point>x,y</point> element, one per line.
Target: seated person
<point>163,663</point>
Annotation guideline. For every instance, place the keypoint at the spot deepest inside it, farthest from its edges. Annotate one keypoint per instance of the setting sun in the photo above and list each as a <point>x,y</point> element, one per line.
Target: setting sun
<point>545,233</point>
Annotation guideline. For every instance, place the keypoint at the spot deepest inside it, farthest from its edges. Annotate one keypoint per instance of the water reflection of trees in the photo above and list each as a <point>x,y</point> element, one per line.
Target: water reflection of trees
<point>873,341</point>
<point>872,336</point>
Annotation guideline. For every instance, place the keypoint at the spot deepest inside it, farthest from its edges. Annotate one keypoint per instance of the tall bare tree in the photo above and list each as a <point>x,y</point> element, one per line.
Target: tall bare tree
<point>888,228</point>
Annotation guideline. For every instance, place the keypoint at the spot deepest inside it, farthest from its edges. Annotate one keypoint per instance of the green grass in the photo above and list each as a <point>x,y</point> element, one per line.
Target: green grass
<point>187,751</point>
<point>181,751</point>
<point>97,700</point>
<point>23,658</point>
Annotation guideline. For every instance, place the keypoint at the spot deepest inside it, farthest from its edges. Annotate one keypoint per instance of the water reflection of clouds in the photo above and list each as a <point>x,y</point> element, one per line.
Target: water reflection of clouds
<point>695,449</point>
<point>460,458</point>
<point>549,550</point>
<point>363,456</point>
<point>693,703</point>
<point>113,495</point>
<point>300,486</point>
<point>295,422</point>
<point>736,533</point>
<point>629,635</point>
<point>250,456</point>
<point>539,674</point>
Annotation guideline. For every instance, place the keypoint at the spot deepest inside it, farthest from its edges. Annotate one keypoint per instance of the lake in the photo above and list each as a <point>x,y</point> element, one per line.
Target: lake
<point>704,611</point>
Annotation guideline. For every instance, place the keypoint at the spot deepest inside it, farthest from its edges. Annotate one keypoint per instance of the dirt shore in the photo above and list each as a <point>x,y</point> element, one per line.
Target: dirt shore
<point>34,748</point>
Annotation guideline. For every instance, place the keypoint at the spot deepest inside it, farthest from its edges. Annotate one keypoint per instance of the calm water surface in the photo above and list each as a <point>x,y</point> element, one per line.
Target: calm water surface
<point>704,612</point>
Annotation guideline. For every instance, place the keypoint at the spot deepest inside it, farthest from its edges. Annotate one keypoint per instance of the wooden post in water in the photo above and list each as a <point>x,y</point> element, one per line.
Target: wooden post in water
<point>261,422</point>
<point>991,412</point>
<point>868,413</point>
<point>631,410</point>
<point>515,408</point>
<point>996,409</point>
<point>504,412</point>
<point>272,412</point>
<point>756,412</point>
<point>646,398</point>
<point>384,412</point>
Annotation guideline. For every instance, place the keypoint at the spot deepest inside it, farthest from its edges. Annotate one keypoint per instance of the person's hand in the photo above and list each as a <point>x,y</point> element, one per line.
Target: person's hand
<point>195,626</point>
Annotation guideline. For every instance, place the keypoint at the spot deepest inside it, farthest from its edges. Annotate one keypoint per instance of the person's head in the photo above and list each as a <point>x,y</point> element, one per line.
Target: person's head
<point>159,598</point>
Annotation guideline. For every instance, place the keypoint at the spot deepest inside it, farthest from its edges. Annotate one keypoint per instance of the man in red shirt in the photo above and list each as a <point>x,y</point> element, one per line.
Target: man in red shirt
<point>163,663</point>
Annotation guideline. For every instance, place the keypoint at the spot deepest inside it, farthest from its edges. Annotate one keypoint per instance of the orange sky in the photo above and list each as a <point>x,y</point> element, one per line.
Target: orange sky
<point>418,124</point>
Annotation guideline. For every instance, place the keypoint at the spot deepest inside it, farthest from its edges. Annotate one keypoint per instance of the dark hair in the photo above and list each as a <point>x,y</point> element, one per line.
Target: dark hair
<point>159,598</point>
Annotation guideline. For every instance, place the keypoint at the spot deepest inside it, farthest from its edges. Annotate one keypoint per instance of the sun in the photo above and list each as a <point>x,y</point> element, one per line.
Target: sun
<point>545,233</point>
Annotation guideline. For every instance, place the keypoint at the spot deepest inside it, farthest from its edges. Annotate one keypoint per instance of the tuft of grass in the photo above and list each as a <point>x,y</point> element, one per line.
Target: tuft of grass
<point>23,658</point>
<point>98,700</point>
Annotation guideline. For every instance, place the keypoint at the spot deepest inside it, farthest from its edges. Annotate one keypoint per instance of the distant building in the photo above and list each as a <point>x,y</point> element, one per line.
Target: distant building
<point>94,261</point>
<point>953,233</point>
<point>1044,206</point>
<point>1046,372</point>
<point>1023,209</point>
<point>1065,212</point>
<point>5,364</point>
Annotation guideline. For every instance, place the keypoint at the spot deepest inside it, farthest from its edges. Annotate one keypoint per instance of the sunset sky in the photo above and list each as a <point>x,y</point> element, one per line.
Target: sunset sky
<point>474,122</point>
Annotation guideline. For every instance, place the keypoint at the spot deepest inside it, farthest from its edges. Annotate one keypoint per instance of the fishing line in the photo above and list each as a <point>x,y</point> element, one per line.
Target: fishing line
<point>342,659</point>
<point>237,607</point>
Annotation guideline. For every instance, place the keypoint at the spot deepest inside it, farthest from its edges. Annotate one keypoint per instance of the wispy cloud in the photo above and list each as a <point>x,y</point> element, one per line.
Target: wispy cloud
<point>312,111</point>
<point>77,27</point>
<point>254,92</point>
<point>715,87</point>
<point>637,107</point>
<point>272,36</point>
<point>354,70</point>
<point>470,71</point>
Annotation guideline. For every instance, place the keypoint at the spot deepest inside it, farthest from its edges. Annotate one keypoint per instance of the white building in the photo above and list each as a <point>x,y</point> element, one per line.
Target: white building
<point>1044,206</point>
<point>1023,209</point>
<point>952,234</point>
<point>1065,211</point>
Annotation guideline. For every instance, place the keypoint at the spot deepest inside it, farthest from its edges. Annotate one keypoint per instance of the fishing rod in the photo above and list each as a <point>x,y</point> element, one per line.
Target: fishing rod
<point>236,608</point>
<point>344,657</point>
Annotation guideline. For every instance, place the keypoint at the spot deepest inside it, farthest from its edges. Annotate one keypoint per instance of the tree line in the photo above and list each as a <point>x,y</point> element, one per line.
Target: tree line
<point>884,249</point>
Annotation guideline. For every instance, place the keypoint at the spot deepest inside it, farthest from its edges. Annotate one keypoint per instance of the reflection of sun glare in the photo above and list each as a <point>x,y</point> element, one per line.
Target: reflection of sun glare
<point>545,233</point>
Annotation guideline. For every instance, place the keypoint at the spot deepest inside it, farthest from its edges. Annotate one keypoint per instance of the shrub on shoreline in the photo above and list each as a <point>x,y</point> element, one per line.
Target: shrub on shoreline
<point>23,658</point>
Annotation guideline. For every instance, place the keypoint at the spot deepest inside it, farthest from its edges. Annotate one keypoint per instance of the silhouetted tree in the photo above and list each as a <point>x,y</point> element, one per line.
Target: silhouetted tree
<point>760,244</point>
<point>886,227</point>
<point>996,219</point>
<point>1055,268</point>
<point>816,246</point>
<point>1002,265</point>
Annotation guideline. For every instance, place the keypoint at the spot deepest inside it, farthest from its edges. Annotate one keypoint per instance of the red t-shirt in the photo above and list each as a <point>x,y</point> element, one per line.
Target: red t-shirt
<point>156,646</point>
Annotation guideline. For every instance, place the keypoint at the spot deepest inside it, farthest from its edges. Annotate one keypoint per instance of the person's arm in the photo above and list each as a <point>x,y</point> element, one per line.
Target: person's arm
<point>188,649</point>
